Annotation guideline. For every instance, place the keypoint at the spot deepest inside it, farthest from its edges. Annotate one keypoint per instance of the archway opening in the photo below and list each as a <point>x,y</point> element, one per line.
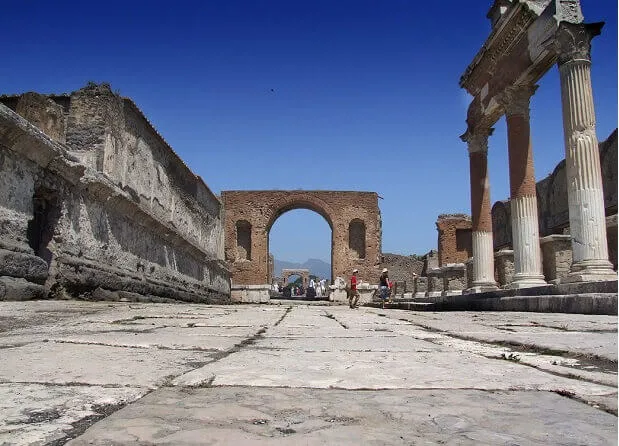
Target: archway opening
<point>301,239</point>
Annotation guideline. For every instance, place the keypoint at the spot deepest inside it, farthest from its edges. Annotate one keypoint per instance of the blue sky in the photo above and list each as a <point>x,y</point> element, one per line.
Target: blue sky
<point>333,95</point>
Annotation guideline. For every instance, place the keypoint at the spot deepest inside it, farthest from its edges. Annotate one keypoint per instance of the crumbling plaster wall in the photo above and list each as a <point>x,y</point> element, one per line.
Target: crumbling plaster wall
<point>339,208</point>
<point>114,209</point>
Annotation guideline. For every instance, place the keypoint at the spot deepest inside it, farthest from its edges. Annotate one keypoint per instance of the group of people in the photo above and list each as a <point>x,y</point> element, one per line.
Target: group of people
<point>320,285</point>
<point>384,288</point>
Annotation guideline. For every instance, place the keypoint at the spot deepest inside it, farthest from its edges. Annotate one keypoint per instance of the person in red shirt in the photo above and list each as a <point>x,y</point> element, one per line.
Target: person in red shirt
<point>353,294</point>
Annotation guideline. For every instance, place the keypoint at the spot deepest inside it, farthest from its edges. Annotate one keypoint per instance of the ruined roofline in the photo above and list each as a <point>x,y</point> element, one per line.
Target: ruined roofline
<point>137,109</point>
<point>454,216</point>
<point>132,104</point>
<point>299,190</point>
<point>518,6</point>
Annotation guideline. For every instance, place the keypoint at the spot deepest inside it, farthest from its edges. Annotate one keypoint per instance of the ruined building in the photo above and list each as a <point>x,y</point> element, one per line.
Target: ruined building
<point>563,228</point>
<point>94,203</point>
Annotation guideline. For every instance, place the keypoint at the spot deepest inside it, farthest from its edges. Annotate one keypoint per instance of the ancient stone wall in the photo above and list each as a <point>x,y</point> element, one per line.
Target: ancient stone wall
<point>112,211</point>
<point>402,269</point>
<point>454,238</point>
<point>349,214</point>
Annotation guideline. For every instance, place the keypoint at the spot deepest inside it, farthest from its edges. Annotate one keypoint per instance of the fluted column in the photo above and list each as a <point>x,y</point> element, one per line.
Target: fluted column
<point>483,253</point>
<point>582,156</point>
<point>525,226</point>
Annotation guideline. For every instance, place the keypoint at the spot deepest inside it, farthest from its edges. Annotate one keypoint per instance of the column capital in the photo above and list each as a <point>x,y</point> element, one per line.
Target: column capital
<point>477,139</point>
<point>573,41</point>
<point>515,100</point>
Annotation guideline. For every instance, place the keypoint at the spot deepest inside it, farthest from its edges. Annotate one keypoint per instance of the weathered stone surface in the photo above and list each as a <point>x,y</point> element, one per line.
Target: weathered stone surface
<point>268,372</point>
<point>230,415</point>
<point>17,264</point>
<point>454,278</point>
<point>557,256</point>
<point>504,267</point>
<point>114,210</point>
<point>44,113</point>
<point>16,288</point>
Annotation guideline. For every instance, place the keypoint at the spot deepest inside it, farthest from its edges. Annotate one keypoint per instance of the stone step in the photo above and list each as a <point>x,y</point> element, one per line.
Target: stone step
<point>580,303</point>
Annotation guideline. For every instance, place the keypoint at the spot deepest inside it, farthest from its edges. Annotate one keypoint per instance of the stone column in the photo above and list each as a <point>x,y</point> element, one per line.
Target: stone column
<point>582,157</point>
<point>525,226</point>
<point>483,256</point>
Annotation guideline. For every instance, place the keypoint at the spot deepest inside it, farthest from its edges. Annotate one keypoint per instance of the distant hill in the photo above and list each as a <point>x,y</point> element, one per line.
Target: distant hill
<point>316,267</point>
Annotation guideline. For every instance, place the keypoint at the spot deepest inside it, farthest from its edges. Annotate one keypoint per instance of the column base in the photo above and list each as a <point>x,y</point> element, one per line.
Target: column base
<point>590,271</point>
<point>527,281</point>
<point>481,287</point>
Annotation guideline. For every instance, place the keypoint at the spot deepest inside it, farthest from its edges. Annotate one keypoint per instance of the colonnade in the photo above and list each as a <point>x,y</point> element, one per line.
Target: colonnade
<point>584,178</point>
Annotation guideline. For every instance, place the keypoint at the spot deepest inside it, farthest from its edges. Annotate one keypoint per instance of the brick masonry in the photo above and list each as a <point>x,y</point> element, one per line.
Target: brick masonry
<point>454,238</point>
<point>250,215</point>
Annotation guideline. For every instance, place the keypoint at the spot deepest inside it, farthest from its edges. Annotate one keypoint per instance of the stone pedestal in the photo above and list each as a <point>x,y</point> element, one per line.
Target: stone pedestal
<point>504,267</point>
<point>435,283</point>
<point>557,256</point>
<point>337,295</point>
<point>421,286</point>
<point>366,292</point>
<point>469,272</point>
<point>454,279</point>
<point>255,294</point>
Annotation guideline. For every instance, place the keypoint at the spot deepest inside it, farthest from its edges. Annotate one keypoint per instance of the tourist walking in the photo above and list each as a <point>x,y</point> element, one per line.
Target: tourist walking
<point>384,286</point>
<point>353,294</point>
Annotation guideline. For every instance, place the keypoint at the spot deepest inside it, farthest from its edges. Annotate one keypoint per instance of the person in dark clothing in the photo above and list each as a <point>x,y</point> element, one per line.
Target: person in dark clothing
<point>384,286</point>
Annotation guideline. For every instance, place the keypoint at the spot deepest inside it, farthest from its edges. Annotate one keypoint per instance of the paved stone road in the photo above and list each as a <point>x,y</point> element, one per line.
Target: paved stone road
<point>290,374</point>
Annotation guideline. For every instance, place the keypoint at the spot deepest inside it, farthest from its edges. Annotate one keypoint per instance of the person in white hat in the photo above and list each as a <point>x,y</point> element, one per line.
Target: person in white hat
<point>384,286</point>
<point>353,294</point>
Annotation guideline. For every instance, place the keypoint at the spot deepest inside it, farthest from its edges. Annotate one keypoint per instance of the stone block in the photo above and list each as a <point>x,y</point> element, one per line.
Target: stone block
<point>469,273</point>
<point>454,278</point>
<point>557,256</point>
<point>19,264</point>
<point>256,294</point>
<point>420,285</point>
<point>504,267</point>
<point>338,295</point>
<point>435,283</point>
<point>13,288</point>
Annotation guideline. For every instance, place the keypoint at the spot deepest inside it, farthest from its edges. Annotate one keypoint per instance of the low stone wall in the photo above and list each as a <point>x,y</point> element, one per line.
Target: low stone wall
<point>69,228</point>
<point>402,269</point>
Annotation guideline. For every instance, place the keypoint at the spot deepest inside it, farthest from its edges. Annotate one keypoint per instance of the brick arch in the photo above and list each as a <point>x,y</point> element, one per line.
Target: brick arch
<point>262,208</point>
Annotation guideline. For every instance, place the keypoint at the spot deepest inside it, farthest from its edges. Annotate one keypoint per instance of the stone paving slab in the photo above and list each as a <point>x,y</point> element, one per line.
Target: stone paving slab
<point>105,355</point>
<point>163,338</point>
<point>280,416</point>
<point>585,335</point>
<point>35,414</point>
<point>380,370</point>
<point>383,343</point>
<point>68,363</point>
